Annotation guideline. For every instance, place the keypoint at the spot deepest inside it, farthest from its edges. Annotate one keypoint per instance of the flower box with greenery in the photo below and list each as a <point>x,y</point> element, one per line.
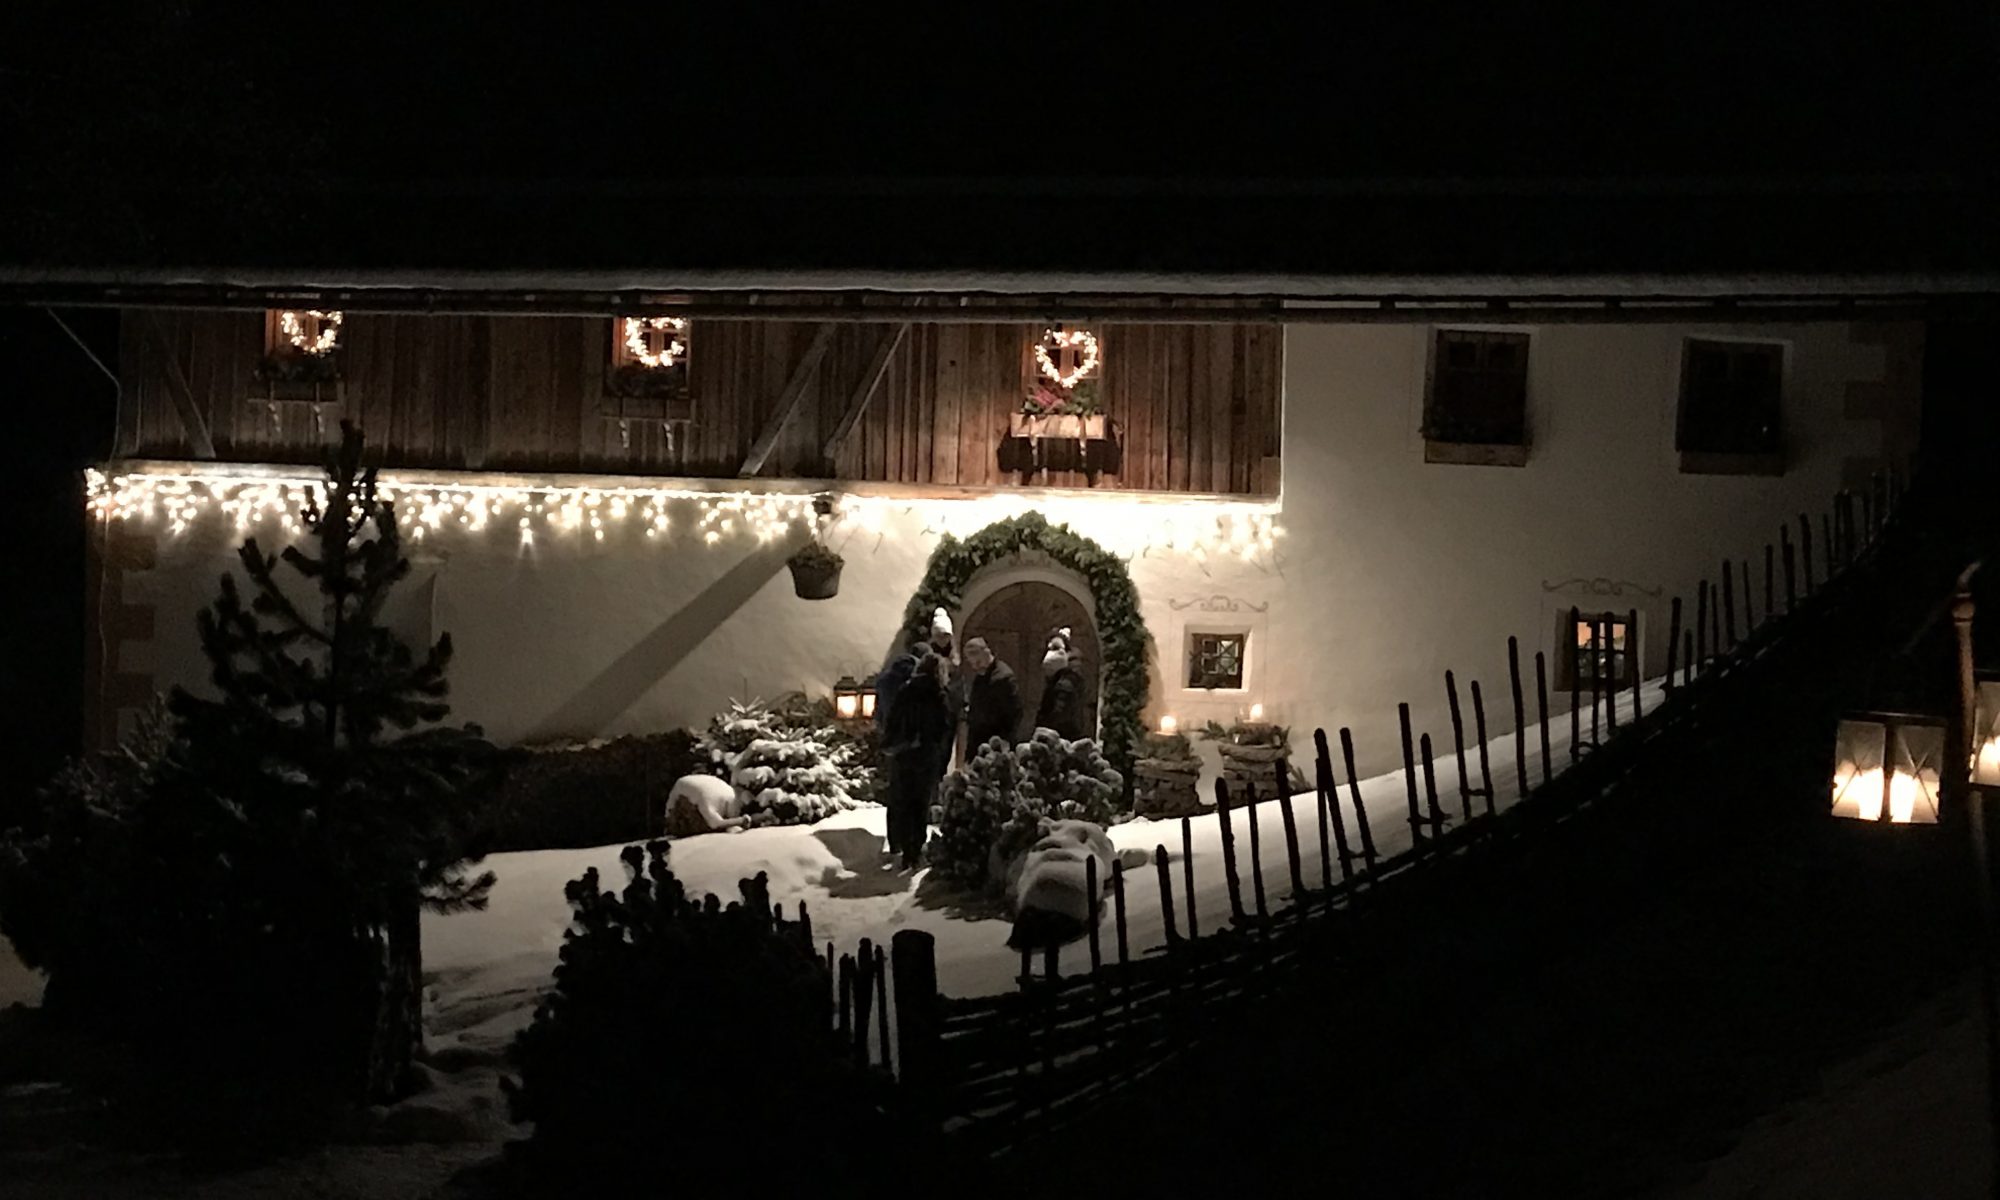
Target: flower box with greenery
<point>815,571</point>
<point>1052,411</point>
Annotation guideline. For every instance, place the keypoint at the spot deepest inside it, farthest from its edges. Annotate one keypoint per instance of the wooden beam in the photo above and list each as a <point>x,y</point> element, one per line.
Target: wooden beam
<point>864,390</point>
<point>199,442</point>
<point>788,402</point>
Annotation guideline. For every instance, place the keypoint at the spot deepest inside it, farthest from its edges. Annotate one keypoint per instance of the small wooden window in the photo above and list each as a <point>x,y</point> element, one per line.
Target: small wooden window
<point>1729,410</point>
<point>1215,660</point>
<point>1476,410</point>
<point>1585,655</point>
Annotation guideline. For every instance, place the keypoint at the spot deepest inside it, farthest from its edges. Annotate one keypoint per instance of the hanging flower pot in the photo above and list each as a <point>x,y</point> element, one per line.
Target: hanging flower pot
<point>815,572</point>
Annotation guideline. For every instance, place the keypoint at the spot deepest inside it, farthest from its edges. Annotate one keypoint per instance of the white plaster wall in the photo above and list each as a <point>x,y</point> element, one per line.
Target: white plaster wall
<point>1390,569</point>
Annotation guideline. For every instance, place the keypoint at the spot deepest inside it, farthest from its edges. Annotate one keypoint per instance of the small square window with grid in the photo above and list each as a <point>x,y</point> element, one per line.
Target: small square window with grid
<point>1595,650</point>
<point>1215,660</point>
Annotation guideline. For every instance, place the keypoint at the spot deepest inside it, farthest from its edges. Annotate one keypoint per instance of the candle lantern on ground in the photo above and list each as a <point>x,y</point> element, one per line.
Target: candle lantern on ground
<point>847,699</point>
<point>1887,767</point>
<point>868,700</point>
<point>1986,733</point>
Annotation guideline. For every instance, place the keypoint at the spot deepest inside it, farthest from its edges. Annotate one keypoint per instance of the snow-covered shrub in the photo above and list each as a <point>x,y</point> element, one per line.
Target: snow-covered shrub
<point>65,866</point>
<point>1072,779</point>
<point>975,805</point>
<point>790,766</point>
<point>673,1021</point>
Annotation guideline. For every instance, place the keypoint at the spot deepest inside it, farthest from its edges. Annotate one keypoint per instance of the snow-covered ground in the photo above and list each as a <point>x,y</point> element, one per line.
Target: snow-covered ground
<point>488,967</point>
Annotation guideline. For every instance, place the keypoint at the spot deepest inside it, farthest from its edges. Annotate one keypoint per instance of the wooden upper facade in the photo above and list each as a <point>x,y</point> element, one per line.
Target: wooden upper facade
<point>1190,408</point>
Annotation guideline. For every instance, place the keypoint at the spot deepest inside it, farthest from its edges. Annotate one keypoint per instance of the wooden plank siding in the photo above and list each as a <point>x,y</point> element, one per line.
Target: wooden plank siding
<point>1196,407</point>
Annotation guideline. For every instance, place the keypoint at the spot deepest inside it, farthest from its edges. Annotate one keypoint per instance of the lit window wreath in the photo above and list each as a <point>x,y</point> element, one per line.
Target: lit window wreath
<point>323,337</point>
<point>1082,341</point>
<point>673,342</point>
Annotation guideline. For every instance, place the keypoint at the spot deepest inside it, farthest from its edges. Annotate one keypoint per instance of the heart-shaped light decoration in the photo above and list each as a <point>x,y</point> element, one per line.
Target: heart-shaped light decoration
<point>1082,341</point>
<point>321,339</point>
<point>673,345</point>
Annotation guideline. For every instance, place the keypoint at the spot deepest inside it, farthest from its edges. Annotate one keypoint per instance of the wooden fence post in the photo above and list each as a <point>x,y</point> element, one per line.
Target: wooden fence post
<point>864,998</point>
<point>1805,551</point>
<point>1770,593</point>
<point>1791,572</point>
<point>1410,777</point>
<point>1166,877</point>
<point>1118,910</point>
<point>1436,810</point>
<point>1632,662</point>
<point>1330,795</point>
<point>881,974</point>
<point>1520,722</point>
<point>1187,874</point>
<point>1256,849</point>
<point>1367,831</point>
<point>1292,845</point>
<point>1095,903</point>
<point>1749,612</point>
<point>1673,641</point>
<point>1610,672</point>
<point>1687,653</point>
<point>1728,605</point>
<point>1229,872</point>
<point>846,1025</point>
<point>1596,678</point>
<point>1457,734</point>
<point>1479,731</point>
<point>913,958</point>
<point>1701,627</point>
<point>1575,685</point>
<point>1542,707</point>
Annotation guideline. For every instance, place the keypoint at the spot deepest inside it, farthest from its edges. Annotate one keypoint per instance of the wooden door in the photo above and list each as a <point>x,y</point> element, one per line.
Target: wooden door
<point>1016,622</point>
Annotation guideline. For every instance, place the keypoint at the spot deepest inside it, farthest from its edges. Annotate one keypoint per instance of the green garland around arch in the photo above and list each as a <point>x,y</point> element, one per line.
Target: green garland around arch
<point>1121,630</point>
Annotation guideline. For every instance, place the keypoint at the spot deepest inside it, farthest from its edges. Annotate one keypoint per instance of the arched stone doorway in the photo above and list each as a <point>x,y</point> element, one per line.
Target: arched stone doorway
<point>1016,621</point>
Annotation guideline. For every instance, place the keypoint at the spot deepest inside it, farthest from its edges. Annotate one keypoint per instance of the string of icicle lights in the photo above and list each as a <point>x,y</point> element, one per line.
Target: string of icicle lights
<point>432,509</point>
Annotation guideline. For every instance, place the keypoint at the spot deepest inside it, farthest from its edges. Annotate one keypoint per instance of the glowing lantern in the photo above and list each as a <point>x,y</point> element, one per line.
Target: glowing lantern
<point>1986,735</point>
<point>847,698</point>
<point>1168,724</point>
<point>1886,768</point>
<point>868,700</point>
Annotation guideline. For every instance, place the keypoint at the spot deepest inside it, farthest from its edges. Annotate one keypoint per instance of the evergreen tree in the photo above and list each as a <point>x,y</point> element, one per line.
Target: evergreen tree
<point>347,802</point>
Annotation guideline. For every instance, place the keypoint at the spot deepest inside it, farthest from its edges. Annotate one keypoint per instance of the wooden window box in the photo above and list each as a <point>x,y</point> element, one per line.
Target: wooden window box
<point>1075,428</point>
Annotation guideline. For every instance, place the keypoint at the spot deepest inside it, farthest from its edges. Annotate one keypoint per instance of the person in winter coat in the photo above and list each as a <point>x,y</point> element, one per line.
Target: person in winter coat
<point>917,744</point>
<point>992,698</point>
<point>933,640</point>
<point>1062,691</point>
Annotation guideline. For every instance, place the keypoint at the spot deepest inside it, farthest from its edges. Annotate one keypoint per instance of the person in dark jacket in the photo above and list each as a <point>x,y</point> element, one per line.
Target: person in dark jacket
<point>918,746</point>
<point>992,698</point>
<point>936,639</point>
<point>1062,706</point>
